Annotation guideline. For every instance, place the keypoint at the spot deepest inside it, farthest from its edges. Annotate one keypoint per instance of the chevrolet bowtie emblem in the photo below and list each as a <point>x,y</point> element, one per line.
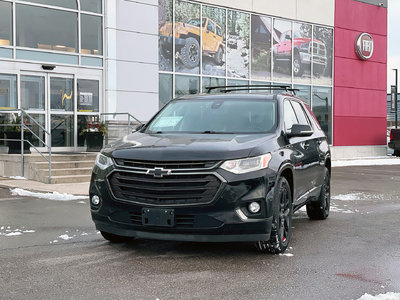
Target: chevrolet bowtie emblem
<point>158,172</point>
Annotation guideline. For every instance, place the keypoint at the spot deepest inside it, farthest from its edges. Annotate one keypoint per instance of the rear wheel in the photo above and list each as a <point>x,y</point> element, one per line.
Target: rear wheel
<point>113,238</point>
<point>281,222</point>
<point>219,57</point>
<point>319,210</point>
<point>396,153</point>
<point>297,67</point>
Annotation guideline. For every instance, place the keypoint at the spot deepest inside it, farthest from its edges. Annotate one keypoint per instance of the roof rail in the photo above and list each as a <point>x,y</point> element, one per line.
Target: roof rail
<point>249,87</point>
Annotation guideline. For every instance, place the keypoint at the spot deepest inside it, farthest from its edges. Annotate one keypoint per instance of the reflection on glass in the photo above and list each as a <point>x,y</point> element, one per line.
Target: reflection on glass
<point>47,29</point>
<point>236,82</point>
<point>185,85</point>
<point>264,83</point>
<point>62,130</point>
<point>187,37</point>
<point>322,109</point>
<point>260,47</point>
<point>304,93</point>
<point>92,38</point>
<point>8,91</point>
<point>62,94</point>
<point>322,55</point>
<point>40,118</point>
<point>83,122</point>
<point>302,47</point>
<point>5,24</point>
<point>282,50</point>
<point>91,5</point>
<point>213,40</point>
<point>165,35</point>
<point>32,92</point>
<point>211,81</point>
<point>88,95</point>
<point>164,89</point>
<point>62,3</point>
<point>238,25</point>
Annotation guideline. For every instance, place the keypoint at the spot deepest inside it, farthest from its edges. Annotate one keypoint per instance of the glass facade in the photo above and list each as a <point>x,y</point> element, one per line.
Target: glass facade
<point>32,92</point>
<point>48,31</point>
<point>238,47</point>
<point>8,91</point>
<point>88,95</point>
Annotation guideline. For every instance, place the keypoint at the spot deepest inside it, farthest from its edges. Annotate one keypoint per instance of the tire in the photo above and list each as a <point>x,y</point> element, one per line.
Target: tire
<point>319,210</point>
<point>165,52</point>
<point>190,53</point>
<point>219,57</point>
<point>113,238</point>
<point>281,222</point>
<point>396,153</point>
<point>298,69</point>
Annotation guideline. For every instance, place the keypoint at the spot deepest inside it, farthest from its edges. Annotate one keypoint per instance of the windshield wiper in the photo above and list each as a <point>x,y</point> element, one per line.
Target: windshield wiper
<point>215,132</point>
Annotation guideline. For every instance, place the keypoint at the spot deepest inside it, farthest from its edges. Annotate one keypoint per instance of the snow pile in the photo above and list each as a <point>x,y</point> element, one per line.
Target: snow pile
<point>51,196</point>
<point>366,162</point>
<point>66,237</point>
<point>348,197</point>
<point>387,296</point>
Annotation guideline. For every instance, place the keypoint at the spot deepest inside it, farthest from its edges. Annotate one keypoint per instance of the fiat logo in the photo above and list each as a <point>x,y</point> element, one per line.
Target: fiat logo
<point>364,46</point>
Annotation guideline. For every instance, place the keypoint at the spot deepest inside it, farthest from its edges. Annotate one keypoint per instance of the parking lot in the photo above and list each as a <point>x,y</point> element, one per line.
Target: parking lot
<point>50,249</point>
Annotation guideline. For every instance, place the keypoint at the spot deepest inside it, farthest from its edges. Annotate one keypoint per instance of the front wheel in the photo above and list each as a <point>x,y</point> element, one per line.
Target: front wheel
<point>219,57</point>
<point>297,66</point>
<point>319,210</point>
<point>190,53</point>
<point>281,222</point>
<point>113,238</point>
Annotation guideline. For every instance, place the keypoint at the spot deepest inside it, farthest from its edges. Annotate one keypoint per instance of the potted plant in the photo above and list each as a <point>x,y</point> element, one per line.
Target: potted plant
<point>94,135</point>
<point>13,132</point>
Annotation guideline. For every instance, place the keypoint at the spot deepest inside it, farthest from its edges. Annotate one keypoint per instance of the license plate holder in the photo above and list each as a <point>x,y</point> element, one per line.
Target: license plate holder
<point>158,217</point>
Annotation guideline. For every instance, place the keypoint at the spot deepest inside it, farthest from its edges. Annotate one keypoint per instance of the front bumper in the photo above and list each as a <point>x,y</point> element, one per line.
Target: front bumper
<point>225,219</point>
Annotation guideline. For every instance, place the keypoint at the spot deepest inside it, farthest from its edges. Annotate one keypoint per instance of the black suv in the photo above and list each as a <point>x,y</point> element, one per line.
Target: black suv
<point>223,167</point>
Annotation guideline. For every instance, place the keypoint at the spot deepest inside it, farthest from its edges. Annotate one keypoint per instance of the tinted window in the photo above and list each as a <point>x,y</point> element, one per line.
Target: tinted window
<point>5,23</point>
<point>289,115</point>
<point>91,5</point>
<point>300,113</point>
<point>216,116</point>
<point>62,3</point>
<point>92,39</point>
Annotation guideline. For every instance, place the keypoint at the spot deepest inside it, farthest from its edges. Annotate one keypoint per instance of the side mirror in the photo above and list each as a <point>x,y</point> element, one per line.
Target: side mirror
<point>299,130</point>
<point>138,127</point>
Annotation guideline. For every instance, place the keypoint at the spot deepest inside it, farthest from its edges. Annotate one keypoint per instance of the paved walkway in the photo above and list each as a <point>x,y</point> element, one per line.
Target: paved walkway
<point>81,188</point>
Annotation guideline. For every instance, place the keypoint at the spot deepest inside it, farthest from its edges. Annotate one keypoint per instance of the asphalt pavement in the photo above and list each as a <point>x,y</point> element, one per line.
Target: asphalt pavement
<point>51,250</point>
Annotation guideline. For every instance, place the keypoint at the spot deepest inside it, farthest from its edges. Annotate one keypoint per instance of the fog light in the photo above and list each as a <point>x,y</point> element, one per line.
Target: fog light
<point>254,207</point>
<point>95,200</point>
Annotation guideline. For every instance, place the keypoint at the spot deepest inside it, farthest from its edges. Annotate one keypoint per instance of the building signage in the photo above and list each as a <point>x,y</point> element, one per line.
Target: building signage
<point>364,46</point>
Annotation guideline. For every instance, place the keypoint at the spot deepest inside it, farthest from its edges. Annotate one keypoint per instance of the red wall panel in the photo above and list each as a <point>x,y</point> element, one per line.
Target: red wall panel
<point>359,107</point>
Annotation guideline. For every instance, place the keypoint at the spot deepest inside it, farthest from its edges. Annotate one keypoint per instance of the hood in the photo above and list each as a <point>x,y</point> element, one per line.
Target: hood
<point>181,147</point>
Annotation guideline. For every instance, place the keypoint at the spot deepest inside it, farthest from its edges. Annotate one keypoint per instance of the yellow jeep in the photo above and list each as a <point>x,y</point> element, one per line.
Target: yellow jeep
<point>187,37</point>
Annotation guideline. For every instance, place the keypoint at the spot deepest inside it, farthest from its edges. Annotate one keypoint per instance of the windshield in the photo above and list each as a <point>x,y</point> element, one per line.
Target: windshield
<point>196,22</point>
<point>215,116</point>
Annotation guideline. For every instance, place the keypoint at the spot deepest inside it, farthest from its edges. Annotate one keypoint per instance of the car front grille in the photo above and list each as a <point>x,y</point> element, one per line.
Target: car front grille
<point>173,165</point>
<point>319,49</point>
<point>178,189</point>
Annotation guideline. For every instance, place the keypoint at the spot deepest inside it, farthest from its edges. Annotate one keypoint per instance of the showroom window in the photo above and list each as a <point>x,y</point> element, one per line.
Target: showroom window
<point>91,5</point>
<point>50,29</point>
<point>32,92</point>
<point>88,95</point>
<point>62,3</point>
<point>5,24</point>
<point>91,30</point>
<point>322,109</point>
<point>238,47</point>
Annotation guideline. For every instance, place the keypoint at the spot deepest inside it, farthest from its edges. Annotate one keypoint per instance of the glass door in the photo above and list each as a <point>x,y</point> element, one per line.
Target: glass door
<point>65,104</point>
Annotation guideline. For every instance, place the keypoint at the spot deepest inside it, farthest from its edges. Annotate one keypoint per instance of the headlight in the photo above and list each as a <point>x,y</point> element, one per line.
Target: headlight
<point>103,162</point>
<point>245,165</point>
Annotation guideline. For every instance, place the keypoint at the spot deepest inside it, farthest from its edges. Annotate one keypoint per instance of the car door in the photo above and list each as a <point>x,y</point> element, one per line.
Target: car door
<point>300,155</point>
<point>311,159</point>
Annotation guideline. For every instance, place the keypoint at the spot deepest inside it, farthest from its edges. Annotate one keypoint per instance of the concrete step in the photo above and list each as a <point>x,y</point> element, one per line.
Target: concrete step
<point>69,179</point>
<point>61,157</point>
<point>64,164</point>
<point>66,172</point>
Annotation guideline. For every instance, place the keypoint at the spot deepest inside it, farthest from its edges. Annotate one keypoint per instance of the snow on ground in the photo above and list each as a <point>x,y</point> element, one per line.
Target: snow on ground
<point>17,177</point>
<point>14,232</point>
<point>51,196</point>
<point>380,161</point>
<point>387,296</point>
<point>357,196</point>
<point>66,237</point>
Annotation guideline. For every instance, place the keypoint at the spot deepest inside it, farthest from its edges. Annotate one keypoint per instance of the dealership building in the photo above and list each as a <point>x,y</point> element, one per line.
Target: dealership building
<point>68,61</point>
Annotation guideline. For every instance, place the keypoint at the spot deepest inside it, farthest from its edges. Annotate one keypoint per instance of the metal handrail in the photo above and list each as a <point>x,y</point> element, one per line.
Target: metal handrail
<point>126,114</point>
<point>25,127</point>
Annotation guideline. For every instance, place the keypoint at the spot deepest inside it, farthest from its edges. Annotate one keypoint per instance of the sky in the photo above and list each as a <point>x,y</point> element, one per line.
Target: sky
<point>393,40</point>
